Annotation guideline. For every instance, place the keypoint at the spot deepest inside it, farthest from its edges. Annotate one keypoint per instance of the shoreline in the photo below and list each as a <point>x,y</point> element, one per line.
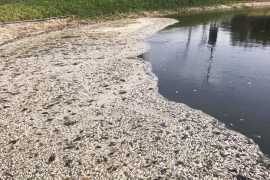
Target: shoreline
<point>12,31</point>
<point>186,11</point>
<point>79,103</point>
<point>189,10</point>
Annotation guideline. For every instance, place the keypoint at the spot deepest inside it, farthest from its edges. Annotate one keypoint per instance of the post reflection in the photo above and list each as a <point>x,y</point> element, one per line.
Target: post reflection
<point>212,40</point>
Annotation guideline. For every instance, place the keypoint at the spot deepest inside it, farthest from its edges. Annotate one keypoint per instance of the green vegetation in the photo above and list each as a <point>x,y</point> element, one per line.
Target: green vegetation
<point>12,10</point>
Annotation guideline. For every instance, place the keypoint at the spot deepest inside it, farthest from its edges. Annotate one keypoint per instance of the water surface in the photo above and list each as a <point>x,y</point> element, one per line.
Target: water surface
<point>219,63</point>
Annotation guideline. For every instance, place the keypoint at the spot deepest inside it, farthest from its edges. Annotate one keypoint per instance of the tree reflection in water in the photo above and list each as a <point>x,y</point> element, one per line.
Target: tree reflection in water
<point>249,31</point>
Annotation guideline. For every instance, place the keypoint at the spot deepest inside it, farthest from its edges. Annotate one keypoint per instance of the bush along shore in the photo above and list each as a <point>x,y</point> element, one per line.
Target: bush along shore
<point>14,10</point>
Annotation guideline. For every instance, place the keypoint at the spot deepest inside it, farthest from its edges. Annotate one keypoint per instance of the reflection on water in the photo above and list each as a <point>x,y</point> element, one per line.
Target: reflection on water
<point>250,31</point>
<point>220,65</point>
<point>213,33</point>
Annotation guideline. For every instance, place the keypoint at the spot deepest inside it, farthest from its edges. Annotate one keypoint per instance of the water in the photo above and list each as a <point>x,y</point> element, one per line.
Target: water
<point>219,63</point>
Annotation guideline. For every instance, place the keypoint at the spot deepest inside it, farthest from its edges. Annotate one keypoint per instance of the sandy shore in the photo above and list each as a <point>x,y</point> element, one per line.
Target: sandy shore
<point>79,103</point>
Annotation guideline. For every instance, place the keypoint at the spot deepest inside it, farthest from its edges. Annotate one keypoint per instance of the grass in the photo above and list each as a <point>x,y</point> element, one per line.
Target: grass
<point>13,10</point>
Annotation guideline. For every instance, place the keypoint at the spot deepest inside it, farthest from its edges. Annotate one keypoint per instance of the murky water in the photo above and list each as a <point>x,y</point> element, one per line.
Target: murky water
<point>219,63</point>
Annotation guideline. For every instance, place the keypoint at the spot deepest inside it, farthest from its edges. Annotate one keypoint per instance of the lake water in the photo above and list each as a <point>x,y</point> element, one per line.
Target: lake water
<point>219,63</point>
